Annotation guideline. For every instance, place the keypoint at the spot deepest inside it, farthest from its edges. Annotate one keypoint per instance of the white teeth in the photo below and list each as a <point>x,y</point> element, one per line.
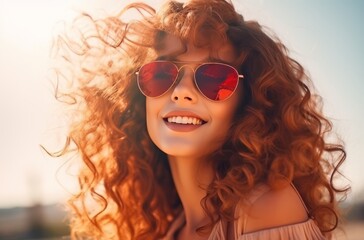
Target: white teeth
<point>185,120</point>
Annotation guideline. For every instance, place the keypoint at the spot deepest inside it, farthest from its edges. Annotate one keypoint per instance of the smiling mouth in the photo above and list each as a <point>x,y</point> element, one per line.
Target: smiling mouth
<point>184,120</point>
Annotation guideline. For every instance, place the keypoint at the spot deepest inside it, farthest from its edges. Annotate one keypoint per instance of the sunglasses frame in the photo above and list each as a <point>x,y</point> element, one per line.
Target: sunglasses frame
<point>194,69</point>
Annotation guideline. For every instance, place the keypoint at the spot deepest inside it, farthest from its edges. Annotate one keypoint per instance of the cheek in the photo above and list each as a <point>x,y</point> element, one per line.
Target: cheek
<point>222,117</point>
<point>151,115</point>
<point>227,110</point>
<point>153,119</point>
<point>222,121</point>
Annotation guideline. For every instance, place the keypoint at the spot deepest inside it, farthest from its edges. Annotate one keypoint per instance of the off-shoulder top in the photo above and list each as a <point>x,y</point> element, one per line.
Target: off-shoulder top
<point>307,230</point>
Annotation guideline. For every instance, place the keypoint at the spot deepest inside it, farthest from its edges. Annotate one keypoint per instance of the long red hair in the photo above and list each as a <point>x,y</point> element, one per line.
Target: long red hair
<point>126,189</point>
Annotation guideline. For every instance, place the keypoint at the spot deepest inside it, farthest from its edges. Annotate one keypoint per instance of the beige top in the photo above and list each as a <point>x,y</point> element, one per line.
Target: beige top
<point>307,230</point>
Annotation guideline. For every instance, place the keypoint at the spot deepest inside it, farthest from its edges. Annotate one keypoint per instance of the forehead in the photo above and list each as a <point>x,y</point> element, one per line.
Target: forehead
<point>172,47</point>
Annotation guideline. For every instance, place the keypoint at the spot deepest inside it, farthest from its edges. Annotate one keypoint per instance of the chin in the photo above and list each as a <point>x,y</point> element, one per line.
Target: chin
<point>186,151</point>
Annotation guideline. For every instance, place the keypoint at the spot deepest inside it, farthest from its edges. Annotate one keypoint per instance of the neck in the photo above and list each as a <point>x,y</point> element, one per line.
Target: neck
<point>191,178</point>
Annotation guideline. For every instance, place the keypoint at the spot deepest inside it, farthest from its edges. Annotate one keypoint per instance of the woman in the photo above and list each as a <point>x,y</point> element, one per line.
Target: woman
<point>193,123</point>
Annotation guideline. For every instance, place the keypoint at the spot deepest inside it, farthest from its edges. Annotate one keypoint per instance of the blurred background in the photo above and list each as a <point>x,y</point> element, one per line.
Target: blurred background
<point>325,36</point>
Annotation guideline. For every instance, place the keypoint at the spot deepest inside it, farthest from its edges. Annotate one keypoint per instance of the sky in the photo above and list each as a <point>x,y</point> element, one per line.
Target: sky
<point>324,36</point>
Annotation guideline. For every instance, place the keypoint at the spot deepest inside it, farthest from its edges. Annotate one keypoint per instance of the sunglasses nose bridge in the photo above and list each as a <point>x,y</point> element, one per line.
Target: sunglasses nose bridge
<point>184,86</point>
<point>182,69</point>
<point>192,67</point>
<point>187,66</point>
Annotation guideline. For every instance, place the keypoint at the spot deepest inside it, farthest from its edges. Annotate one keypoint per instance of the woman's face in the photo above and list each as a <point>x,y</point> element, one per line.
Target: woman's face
<point>210,120</point>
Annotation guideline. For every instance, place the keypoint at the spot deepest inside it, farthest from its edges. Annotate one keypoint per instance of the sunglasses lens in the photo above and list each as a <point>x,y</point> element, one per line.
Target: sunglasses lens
<point>156,78</point>
<point>216,81</point>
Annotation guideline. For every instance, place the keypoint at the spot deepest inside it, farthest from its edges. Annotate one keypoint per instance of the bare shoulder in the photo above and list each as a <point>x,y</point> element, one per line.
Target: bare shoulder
<point>275,208</point>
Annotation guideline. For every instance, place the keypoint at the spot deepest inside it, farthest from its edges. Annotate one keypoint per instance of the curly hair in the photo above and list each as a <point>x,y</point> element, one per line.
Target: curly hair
<point>279,132</point>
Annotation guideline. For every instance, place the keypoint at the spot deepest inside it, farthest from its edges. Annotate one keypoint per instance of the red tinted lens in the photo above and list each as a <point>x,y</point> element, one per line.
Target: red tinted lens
<point>156,78</point>
<point>216,81</point>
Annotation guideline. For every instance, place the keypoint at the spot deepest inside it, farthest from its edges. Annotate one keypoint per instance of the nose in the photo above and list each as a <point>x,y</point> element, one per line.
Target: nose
<point>185,90</point>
